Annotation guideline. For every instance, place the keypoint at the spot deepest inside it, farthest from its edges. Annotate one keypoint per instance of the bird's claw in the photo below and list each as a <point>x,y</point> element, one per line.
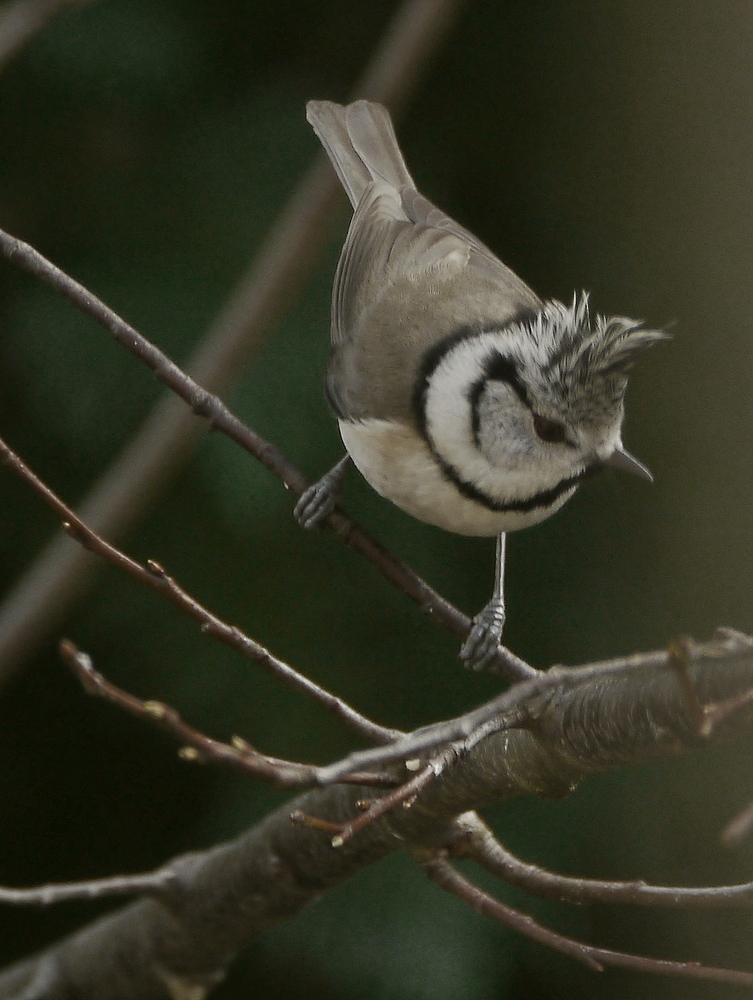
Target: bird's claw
<point>315,505</point>
<point>317,502</point>
<point>480,648</point>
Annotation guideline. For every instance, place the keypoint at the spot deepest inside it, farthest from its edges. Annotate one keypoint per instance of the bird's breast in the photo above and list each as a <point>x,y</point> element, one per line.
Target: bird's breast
<point>397,462</point>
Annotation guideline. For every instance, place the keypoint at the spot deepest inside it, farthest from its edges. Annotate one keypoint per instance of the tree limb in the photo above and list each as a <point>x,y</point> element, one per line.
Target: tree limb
<point>197,746</point>
<point>626,712</point>
<point>477,842</point>
<point>446,877</point>
<point>139,474</point>
<point>154,576</point>
<point>209,406</point>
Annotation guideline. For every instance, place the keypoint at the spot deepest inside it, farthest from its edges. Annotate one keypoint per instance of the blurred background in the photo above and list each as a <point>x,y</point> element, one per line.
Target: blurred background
<point>146,147</point>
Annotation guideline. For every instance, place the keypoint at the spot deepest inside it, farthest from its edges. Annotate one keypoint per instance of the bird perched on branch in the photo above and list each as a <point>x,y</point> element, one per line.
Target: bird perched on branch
<point>461,396</point>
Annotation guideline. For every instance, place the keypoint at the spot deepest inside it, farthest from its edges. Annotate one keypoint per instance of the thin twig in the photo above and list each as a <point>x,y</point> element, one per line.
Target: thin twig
<point>720,711</point>
<point>149,883</point>
<point>302,818</point>
<point>477,842</point>
<point>679,658</point>
<point>197,745</point>
<point>441,872</point>
<point>154,576</point>
<point>403,796</point>
<point>707,717</point>
<point>205,404</point>
<point>61,573</point>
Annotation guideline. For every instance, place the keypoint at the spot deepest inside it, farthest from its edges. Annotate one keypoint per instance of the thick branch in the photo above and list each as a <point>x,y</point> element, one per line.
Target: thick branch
<point>612,715</point>
<point>525,706</point>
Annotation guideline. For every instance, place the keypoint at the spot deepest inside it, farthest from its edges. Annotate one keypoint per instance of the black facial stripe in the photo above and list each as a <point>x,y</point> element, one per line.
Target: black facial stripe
<point>545,498</point>
<point>497,368</point>
<point>474,398</point>
<point>437,353</point>
<point>429,364</point>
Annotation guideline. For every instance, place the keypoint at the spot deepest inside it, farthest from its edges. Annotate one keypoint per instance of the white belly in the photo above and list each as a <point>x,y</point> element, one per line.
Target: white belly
<point>397,463</point>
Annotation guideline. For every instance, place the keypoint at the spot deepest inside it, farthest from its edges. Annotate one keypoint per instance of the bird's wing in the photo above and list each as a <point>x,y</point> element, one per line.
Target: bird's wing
<point>403,283</point>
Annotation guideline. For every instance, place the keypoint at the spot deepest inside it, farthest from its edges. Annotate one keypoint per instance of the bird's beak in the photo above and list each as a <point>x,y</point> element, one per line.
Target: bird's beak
<point>624,461</point>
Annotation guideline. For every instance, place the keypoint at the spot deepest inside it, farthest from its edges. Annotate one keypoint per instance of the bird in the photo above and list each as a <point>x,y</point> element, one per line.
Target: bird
<point>461,396</point>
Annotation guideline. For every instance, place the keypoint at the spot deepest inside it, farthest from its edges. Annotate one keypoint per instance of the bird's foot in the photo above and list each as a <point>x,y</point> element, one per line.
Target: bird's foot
<point>318,501</point>
<point>480,648</point>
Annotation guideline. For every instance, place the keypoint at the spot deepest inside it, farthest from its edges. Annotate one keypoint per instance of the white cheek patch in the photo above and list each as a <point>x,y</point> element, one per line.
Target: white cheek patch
<point>447,405</point>
<point>507,463</point>
<point>449,422</point>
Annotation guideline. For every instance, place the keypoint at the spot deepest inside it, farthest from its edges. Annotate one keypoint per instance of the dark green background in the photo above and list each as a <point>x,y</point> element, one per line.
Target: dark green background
<point>146,147</point>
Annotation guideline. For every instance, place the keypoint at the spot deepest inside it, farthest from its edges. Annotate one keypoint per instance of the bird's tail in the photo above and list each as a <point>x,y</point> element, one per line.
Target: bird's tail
<point>360,141</point>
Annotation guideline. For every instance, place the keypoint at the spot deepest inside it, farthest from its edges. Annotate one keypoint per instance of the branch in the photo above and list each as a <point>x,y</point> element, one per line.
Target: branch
<point>140,473</point>
<point>446,877</point>
<point>154,576</point>
<point>619,713</point>
<point>205,404</point>
<point>522,705</point>
<point>477,842</point>
<point>150,884</point>
<point>197,745</point>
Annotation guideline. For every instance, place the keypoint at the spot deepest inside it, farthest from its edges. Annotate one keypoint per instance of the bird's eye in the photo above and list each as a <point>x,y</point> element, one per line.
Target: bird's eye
<point>549,430</point>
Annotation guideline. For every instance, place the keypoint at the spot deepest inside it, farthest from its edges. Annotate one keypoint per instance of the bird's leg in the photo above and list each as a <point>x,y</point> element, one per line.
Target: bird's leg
<point>483,639</point>
<point>318,501</point>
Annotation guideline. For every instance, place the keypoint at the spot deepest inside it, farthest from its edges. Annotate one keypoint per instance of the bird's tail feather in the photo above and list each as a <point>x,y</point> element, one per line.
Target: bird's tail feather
<point>360,141</point>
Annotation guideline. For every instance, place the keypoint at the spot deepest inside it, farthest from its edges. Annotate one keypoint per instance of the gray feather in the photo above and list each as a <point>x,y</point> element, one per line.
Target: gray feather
<point>408,274</point>
<point>361,143</point>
